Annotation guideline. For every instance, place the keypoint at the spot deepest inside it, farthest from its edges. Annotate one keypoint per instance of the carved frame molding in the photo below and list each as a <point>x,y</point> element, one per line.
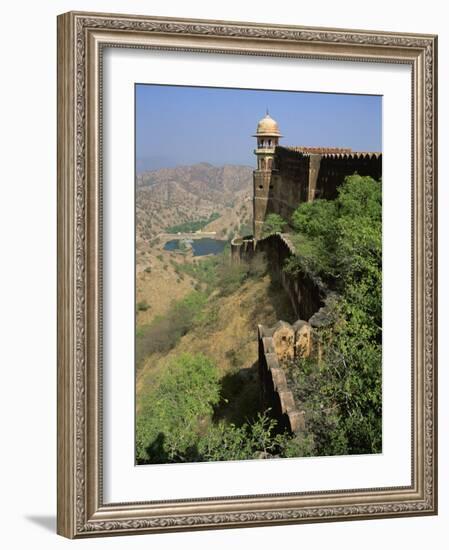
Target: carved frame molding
<point>81,39</point>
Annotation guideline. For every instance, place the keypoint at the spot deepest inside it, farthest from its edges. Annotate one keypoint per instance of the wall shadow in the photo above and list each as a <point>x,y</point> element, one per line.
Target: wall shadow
<point>240,396</point>
<point>280,301</point>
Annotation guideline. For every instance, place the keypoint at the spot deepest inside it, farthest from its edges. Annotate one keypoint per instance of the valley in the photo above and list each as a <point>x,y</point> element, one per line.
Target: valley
<point>213,200</point>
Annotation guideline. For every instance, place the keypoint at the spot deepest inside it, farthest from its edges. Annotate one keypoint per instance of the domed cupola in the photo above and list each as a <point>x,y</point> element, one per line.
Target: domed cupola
<point>267,127</point>
<point>267,135</point>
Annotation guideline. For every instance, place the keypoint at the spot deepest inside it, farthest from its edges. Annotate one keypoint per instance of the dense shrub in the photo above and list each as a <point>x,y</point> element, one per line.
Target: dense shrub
<point>174,421</point>
<point>252,440</point>
<point>218,273</point>
<point>165,331</point>
<point>273,223</point>
<point>168,421</point>
<point>337,240</point>
<point>341,242</point>
<point>203,271</point>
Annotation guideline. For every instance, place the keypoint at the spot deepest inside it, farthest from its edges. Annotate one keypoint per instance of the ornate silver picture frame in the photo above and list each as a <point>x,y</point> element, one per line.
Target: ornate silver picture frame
<point>82,41</point>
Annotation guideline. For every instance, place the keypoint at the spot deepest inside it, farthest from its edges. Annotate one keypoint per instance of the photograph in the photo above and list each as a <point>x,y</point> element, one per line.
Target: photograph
<point>247,274</point>
<point>258,274</point>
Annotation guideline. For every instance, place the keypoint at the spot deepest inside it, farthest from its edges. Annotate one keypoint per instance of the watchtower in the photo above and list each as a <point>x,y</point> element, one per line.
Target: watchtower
<point>267,135</point>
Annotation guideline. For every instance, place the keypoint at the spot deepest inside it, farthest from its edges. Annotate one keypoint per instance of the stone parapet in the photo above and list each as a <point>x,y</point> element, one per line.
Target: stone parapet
<point>275,390</point>
<point>303,174</point>
<point>242,249</point>
<point>306,295</point>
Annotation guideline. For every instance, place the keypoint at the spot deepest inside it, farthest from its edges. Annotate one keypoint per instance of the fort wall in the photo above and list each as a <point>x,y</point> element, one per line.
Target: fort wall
<point>290,181</point>
<point>278,346</point>
<point>284,342</point>
<point>335,167</point>
<point>302,174</point>
<point>276,393</point>
<point>306,295</point>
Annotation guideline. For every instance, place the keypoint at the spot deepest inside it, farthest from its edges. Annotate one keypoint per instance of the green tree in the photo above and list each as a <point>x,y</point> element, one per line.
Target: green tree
<point>168,425</point>
<point>257,439</point>
<point>273,223</point>
<point>340,242</point>
<point>340,239</point>
<point>174,422</point>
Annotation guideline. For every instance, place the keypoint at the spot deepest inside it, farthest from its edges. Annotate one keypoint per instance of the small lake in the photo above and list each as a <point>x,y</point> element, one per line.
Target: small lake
<point>200,247</point>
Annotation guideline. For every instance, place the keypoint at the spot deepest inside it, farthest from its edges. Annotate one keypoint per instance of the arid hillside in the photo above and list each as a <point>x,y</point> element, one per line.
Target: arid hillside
<point>171,196</point>
<point>225,331</point>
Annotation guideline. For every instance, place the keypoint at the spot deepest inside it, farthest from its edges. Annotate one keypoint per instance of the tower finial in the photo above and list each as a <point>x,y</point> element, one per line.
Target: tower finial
<point>267,113</point>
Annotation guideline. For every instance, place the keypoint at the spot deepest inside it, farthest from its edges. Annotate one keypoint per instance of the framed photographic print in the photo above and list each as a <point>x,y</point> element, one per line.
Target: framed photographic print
<point>246,274</point>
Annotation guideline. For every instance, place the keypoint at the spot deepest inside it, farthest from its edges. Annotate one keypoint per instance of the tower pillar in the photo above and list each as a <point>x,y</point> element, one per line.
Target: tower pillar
<point>267,135</point>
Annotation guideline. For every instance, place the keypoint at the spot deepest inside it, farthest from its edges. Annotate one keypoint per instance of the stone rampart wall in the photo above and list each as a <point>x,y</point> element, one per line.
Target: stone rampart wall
<point>334,168</point>
<point>276,393</point>
<point>299,175</point>
<point>284,342</point>
<point>306,295</point>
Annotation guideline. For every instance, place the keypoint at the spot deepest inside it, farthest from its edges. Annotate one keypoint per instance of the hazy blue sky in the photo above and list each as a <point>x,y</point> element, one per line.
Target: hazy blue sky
<point>177,125</point>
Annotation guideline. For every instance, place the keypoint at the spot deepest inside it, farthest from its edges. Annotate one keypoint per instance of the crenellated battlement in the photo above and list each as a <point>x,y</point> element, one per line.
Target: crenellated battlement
<point>276,394</point>
<point>303,174</point>
<point>340,152</point>
<point>278,347</point>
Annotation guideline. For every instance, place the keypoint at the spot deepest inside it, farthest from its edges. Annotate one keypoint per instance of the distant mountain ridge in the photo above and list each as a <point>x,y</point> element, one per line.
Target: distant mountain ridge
<point>228,177</point>
<point>170,196</point>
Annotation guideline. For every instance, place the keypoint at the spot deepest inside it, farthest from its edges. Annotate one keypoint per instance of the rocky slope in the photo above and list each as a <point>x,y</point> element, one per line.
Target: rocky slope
<point>172,196</point>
